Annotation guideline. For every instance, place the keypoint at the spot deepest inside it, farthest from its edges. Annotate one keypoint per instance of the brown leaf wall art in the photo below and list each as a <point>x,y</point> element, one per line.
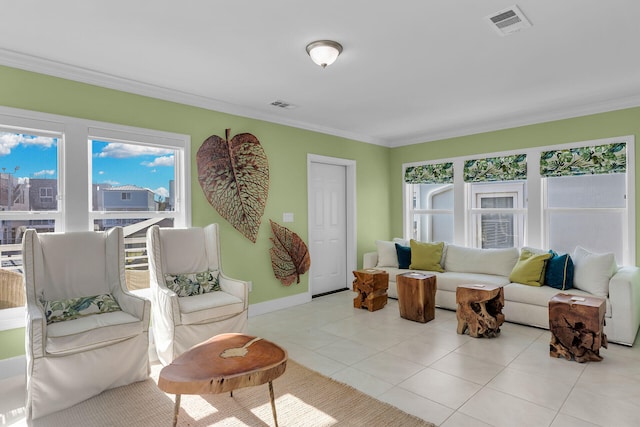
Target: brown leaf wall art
<point>289,255</point>
<point>234,176</point>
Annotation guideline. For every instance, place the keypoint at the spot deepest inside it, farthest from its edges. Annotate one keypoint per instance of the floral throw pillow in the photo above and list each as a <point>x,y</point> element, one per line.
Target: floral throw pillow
<point>67,309</point>
<point>188,284</point>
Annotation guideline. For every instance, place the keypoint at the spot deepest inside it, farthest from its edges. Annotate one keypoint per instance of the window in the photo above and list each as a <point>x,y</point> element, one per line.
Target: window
<point>585,196</point>
<point>497,215</point>
<point>555,197</point>
<point>431,202</point>
<point>149,170</point>
<point>496,188</point>
<point>46,195</point>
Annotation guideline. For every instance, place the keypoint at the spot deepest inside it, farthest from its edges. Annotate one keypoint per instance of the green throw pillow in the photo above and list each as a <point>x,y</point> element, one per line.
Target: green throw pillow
<point>188,284</point>
<point>426,256</point>
<point>68,309</point>
<point>529,269</point>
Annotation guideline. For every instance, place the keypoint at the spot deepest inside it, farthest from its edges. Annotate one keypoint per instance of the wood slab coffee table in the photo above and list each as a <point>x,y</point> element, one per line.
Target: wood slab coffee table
<point>224,363</point>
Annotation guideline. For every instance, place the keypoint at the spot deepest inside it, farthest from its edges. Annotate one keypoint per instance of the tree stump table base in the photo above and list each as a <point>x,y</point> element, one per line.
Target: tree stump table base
<point>577,324</point>
<point>417,296</point>
<point>371,286</point>
<point>480,310</point>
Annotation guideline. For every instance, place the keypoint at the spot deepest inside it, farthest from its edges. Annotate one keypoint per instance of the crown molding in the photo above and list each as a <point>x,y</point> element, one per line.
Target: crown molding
<point>558,111</point>
<point>547,113</point>
<point>70,72</point>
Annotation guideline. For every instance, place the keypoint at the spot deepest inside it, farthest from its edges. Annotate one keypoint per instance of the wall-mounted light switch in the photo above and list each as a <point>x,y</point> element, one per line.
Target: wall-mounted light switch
<point>287,217</point>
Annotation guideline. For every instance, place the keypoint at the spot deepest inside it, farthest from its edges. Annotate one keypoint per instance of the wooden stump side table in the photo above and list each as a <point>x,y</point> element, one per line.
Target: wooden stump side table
<point>224,363</point>
<point>480,309</point>
<point>577,327</point>
<point>417,296</point>
<point>371,286</point>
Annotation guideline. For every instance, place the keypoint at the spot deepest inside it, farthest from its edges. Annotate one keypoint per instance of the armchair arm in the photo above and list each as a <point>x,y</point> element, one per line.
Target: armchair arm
<point>36,329</point>
<point>235,287</point>
<point>167,307</point>
<point>135,305</point>
<point>370,260</point>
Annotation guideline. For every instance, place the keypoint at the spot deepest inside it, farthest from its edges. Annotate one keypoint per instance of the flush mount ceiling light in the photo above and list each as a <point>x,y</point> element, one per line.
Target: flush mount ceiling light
<point>324,52</point>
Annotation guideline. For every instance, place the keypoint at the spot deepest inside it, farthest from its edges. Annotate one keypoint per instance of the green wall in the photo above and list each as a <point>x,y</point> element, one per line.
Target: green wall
<point>286,148</point>
<point>596,126</point>
<point>11,343</point>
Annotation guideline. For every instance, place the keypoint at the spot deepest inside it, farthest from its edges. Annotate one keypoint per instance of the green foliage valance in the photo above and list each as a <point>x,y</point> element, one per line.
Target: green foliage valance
<point>440,173</point>
<point>506,168</point>
<point>599,159</point>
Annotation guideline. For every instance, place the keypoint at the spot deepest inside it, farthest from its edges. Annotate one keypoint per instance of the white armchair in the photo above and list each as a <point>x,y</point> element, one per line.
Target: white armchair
<point>180,322</point>
<point>78,347</point>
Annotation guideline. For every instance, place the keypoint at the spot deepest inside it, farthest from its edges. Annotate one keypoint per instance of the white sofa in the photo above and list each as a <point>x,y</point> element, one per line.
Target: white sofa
<point>524,304</point>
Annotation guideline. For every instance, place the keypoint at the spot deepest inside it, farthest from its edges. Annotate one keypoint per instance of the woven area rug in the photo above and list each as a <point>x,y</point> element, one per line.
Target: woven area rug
<point>303,398</point>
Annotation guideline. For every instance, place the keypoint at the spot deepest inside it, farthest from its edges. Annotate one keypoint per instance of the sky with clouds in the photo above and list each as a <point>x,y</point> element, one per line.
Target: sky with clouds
<point>28,156</point>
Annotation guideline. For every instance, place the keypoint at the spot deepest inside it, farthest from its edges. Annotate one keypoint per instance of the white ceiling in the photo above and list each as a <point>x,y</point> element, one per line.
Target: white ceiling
<point>411,70</point>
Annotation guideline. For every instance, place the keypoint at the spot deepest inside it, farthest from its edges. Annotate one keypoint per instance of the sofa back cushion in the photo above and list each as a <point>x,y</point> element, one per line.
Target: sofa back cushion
<point>485,261</point>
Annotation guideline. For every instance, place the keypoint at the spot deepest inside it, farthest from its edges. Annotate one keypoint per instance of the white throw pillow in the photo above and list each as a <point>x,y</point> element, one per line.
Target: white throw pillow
<point>387,255</point>
<point>592,272</point>
<point>485,261</point>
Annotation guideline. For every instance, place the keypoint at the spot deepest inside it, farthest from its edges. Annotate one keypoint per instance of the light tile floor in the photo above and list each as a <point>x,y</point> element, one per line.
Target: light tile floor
<point>432,372</point>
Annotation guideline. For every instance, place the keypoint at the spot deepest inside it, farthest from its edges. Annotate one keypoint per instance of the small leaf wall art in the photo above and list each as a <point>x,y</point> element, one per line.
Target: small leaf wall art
<point>289,255</point>
<point>234,176</point>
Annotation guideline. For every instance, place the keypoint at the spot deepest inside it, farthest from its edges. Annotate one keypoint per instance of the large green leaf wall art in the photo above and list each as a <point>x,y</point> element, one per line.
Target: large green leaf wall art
<point>234,176</point>
<point>289,255</point>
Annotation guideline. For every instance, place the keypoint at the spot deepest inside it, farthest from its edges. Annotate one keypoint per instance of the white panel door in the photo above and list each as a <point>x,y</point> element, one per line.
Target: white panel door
<point>328,228</point>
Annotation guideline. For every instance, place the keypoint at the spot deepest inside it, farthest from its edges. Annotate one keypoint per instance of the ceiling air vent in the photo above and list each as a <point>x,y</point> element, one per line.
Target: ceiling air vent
<point>508,21</point>
<point>283,104</point>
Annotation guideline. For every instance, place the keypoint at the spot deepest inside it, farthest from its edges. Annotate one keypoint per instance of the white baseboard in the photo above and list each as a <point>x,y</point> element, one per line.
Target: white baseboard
<point>13,366</point>
<point>278,304</point>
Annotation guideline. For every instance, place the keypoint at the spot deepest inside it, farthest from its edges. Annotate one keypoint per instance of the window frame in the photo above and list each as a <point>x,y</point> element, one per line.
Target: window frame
<point>74,160</point>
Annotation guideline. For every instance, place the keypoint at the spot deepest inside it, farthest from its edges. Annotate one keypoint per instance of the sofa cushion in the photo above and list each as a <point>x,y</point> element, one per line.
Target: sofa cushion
<point>485,261</point>
<point>387,256</point>
<point>450,280</point>
<point>426,256</point>
<point>404,255</point>
<point>559,272</point>
<point>524,294</point>
<point>529,269</point>
<point>592,271</point>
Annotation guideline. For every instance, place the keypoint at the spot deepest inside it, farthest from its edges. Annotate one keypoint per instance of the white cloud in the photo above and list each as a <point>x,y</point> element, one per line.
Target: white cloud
<point>160,161</point>
<point>161,191</point>
<point>120,151</point>
<point>9,141</point>
<point>45,172</point>
<point>101,173</point>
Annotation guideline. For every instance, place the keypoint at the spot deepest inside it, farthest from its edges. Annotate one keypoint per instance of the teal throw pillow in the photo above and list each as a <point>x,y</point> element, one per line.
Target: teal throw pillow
<point>559,273</point>
<point>189,284</point>
<point>404,256</point>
